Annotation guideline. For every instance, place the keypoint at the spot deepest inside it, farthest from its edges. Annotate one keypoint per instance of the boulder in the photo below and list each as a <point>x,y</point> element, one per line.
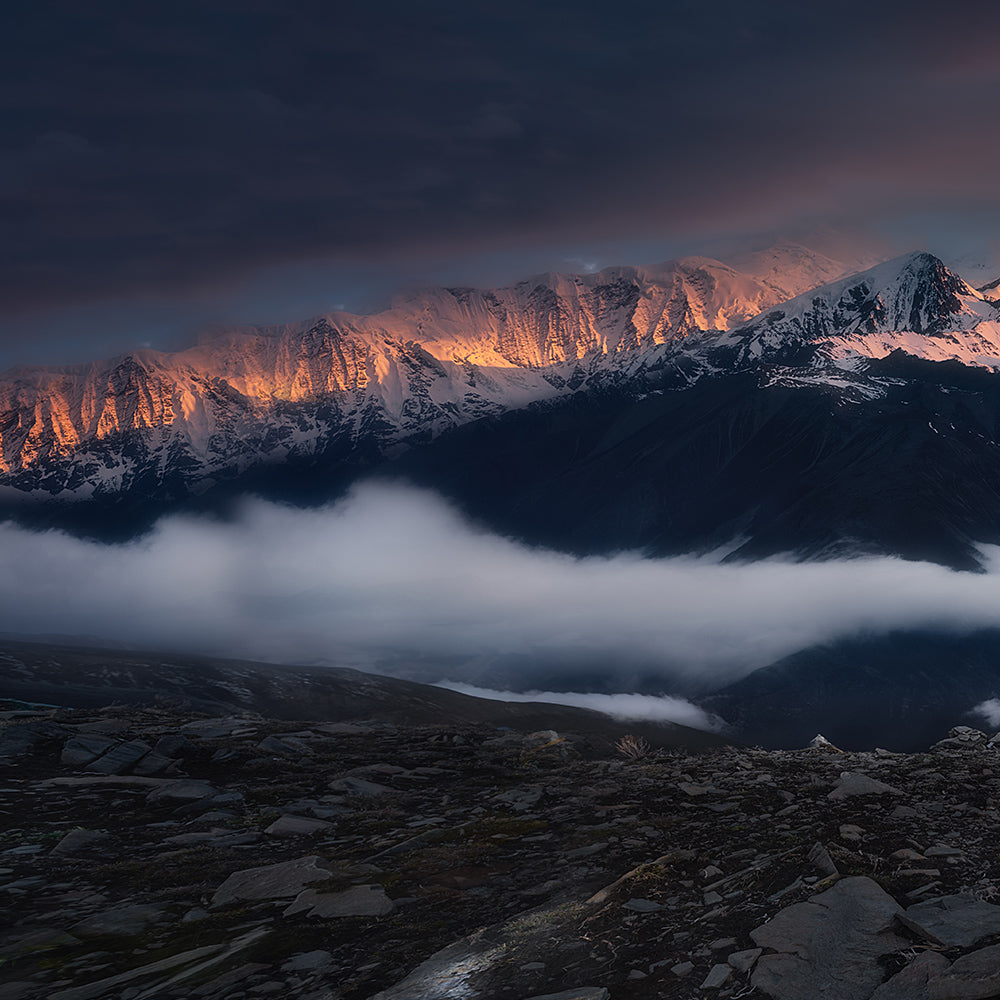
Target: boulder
<point>957,921</point>
<point>358,901</point>
<point>121,758</point>
<point>284,880</point>
<point>81,750</point>
<point>182,791</point>
<point>911,983</point>
<point>297,826</point>
<point>828,945</point>
<point>81,841</point>
<point>972,977</point>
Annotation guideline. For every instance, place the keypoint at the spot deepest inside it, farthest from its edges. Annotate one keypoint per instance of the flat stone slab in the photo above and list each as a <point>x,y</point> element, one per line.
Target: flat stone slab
<point>297,826</point>
<point>828,945</point>
<point>120,758</point>
<point>642,906</point>
<point>181,790</point>
<point>288,747</point>
<point>81,750</point>
<point>307,961</point>
<point>343,729</point>
<point>358,901</point>
<point>852,783</point>
<point>958,921</point>
<point>197,961</point>
<point>126,780</point>
<point>281,881</point>
<point>214,729</point>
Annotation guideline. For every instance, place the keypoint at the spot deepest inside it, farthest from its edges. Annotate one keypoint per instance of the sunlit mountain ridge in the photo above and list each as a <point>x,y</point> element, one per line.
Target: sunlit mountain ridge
<point>437,358</point>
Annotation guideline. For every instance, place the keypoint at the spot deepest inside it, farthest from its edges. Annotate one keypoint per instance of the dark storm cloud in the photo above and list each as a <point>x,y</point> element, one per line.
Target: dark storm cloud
<point>393,576</point>
<point>151,146</point>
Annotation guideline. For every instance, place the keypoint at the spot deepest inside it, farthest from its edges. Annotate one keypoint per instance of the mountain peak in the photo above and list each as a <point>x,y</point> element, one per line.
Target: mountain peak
<point>912,303</point>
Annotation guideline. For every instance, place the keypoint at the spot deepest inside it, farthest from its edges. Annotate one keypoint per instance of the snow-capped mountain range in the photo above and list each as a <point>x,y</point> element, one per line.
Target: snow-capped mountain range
<point>443,357</point>
<point>437,358</point>
<point>692,406</point>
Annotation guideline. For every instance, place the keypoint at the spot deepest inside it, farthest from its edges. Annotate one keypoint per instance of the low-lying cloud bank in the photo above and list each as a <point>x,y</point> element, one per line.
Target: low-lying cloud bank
<point>638,707</point>
<point>394,575</point>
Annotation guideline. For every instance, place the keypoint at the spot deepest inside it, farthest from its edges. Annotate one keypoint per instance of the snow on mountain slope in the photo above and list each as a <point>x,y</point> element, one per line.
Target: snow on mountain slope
<point>912,303</point>
<point>790,269</point>
<point>992,289</point>
<point>443,357</point>
<point>437,358</point>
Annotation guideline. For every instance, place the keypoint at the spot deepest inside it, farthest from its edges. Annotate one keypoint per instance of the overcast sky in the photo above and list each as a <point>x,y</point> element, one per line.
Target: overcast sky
<point>165,165</point>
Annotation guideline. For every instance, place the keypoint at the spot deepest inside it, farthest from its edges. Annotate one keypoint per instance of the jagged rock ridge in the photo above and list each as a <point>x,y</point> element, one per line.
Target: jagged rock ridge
<point>436,359</point>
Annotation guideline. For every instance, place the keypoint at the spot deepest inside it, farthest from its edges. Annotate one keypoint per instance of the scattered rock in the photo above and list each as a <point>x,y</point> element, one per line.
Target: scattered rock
<point>297,826</point>
<point>182,791</point>
<point>80,750</point>
<point>82,841</point>
<point>853,783</point>
<point>819,858</point>
<point>717,977</point>
<point>467,830</point>
<point>307,961</point>
<point>743,961</point>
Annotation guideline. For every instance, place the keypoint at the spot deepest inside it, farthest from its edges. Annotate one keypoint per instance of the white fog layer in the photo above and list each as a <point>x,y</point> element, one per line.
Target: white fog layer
<point>394,574</point>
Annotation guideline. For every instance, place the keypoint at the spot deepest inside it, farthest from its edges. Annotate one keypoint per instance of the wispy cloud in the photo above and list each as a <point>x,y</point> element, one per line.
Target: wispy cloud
<point>393,575</point>
<point>639,707</point>
<point>990,711</point>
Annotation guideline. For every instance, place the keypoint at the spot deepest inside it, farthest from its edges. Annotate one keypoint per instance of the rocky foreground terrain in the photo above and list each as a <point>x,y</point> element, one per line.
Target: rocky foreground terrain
<point>158,853</point>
